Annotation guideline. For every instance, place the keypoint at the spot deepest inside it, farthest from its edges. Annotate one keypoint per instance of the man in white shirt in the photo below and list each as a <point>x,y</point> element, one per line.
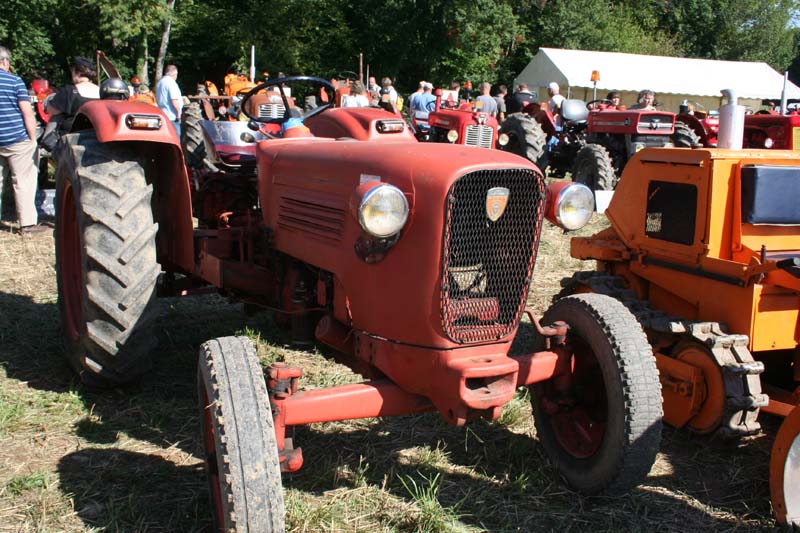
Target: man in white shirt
<point>554,105</point>
<point>169,98</point>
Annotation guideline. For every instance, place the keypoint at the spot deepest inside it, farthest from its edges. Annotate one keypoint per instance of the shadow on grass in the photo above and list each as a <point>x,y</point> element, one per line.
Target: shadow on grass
<point>119,490</point>
<point>496,479</point>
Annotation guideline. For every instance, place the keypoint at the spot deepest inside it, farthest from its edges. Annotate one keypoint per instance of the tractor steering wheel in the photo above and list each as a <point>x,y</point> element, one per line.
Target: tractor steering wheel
<point>591,107</point>
<point>280,82</point>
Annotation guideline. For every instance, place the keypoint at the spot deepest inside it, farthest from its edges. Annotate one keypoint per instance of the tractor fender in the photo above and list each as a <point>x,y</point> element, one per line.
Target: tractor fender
<point>172,204</point>
<point>109,120</point>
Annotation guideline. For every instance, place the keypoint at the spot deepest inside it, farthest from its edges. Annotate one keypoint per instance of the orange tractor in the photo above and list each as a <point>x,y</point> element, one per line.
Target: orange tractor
<point>704,250</point>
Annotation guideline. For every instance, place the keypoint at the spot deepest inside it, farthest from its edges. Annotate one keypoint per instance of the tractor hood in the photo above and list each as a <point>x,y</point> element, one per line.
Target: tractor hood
<point>310,192</point>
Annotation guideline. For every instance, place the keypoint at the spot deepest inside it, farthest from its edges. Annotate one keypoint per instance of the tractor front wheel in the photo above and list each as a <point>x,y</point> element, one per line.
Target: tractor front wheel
<point>603,428</point>
<point>784,471</point>
<point>105,259</point>
<point>525,137</point>
<point>241,450</point>
<point>594,169</point>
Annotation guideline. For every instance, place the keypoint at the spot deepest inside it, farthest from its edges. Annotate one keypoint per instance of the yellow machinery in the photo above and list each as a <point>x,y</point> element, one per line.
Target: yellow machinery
<point>704,249</point>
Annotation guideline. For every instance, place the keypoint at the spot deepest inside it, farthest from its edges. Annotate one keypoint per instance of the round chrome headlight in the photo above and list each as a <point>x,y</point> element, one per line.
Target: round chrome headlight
<point>502,140</point>
<point>768,143</point>
<point>383,211</point>
<point>575,206</point>
<point>452,136</point>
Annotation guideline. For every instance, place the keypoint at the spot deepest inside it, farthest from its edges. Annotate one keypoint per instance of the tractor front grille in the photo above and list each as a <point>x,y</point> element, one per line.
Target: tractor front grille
<point>655,124</point>
<point>479,135</point>
<point>271,111</point>
<point>487,265</point>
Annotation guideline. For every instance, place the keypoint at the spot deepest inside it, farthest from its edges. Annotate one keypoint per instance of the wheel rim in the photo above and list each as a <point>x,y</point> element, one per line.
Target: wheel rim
<point>579,418</point>
<point>68,236</point>
<point>785,471</point>
<point>713,408</point>
<point>212,467</point>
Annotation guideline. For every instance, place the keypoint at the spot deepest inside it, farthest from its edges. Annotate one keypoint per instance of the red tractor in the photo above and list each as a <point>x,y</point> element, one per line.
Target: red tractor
<point>451,122</point>
<point>592,141</point>
<point>764,129</point>
<point>412,260</point>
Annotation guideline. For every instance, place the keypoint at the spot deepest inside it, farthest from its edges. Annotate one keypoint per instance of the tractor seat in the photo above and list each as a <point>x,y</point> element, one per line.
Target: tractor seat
<point>574,111</point>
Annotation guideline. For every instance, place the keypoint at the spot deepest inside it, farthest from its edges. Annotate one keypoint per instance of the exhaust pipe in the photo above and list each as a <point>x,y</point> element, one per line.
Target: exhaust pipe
<point>731,122</point>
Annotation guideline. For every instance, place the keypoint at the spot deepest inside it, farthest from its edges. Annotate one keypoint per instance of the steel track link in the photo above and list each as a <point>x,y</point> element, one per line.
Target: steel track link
<point>739,370</point>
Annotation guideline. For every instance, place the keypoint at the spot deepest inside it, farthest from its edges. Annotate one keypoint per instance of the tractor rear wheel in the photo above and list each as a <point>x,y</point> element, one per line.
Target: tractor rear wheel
<point>241,450</point>
<point>603,430</point>
<point>784,471</point>
<point>593,168</point>
<point>192,144</point>
<point>105,259</point>
<point>526,138</point>
<point>684,136</point>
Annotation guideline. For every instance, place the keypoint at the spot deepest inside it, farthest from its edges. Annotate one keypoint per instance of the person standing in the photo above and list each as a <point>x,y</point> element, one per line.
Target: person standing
<point>500,98</point>
<point>521,97</point>
<point>17,145</point>
<point>488,105</point>
<point>425,102</point>
<point>554,105</point>
<point>169,98</point>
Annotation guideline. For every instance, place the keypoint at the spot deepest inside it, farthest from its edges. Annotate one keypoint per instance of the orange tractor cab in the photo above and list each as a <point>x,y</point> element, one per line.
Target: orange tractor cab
<point>593,141</point>
<point>704,250</point>
<point>411,260</point>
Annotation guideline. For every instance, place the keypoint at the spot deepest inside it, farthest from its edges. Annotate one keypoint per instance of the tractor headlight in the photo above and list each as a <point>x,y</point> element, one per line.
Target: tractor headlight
<point>502,140</point>
<point>768,143</point>
<point>452,136</point>
<point>383,211</point>
<point>574,206</point>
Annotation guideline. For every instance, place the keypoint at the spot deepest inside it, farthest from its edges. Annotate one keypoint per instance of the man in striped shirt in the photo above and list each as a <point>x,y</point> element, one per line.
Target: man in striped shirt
<point>17,144</point>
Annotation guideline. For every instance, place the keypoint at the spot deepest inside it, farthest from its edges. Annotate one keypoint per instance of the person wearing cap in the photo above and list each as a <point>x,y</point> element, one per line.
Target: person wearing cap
<point>426,101</point>
<point>613,97</point>
<point>169,98</point>
<point>17,144</point>
<point>554,105</point>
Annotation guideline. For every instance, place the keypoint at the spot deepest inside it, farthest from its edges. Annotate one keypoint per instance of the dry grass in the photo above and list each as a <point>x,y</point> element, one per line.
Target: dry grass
<point>72,459</point>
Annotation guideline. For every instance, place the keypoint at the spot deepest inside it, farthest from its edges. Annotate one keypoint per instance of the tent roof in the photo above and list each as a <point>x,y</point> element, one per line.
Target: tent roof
<point>662,74</point>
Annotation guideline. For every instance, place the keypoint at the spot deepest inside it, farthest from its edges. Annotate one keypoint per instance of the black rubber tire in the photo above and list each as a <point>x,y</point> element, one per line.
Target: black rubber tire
<point>594,169</point>
<point>192,144</point>
<point>110,280</point>
<point>244,463</point>
<point>684,136</point>
<point>526,138</point>
<point>632,390</point>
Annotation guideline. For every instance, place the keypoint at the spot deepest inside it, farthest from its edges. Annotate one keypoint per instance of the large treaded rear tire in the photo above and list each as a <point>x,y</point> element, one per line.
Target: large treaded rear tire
<point>105,259</point>
<point>684,136</point>
<point>593,168</point>
<point>239,438</point>
<point>615,384</point>
<point>192,144</point>
<point>525,137</point>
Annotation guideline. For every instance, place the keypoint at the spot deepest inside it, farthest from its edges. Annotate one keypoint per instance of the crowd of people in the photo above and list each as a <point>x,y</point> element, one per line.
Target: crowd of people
<point>19,142</point>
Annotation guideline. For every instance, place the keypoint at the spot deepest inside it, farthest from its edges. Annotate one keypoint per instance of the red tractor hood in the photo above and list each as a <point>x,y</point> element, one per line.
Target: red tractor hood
<point>310,192</point>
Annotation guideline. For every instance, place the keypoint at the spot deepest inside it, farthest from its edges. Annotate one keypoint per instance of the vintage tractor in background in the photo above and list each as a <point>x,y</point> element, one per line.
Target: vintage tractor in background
<point>593,142</point>
<point>411,260</point>
<point>452,122</point>
<point>704,250</point>
<point>39,91</point>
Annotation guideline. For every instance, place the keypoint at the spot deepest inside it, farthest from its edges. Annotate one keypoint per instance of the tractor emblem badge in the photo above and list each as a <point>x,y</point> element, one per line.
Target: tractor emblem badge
<point>496,201</point>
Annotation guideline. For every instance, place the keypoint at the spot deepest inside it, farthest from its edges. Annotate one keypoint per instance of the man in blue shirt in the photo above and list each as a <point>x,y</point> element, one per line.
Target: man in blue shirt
<point>17,145</point>
<point>426,101</point>
<point>169,98</point>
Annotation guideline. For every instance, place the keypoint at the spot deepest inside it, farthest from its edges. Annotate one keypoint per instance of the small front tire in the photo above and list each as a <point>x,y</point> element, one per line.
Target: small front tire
<point>602,433</point>
<point>241,450</point>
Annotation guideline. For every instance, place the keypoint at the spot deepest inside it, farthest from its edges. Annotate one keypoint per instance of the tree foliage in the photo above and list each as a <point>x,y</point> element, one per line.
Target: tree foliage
<point>409,40</point>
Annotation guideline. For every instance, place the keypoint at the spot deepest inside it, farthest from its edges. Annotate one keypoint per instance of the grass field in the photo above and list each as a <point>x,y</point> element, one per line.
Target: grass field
<point>73,459</point>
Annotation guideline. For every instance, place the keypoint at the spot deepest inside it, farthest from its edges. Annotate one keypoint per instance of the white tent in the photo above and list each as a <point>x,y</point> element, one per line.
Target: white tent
<point>672,78</point>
